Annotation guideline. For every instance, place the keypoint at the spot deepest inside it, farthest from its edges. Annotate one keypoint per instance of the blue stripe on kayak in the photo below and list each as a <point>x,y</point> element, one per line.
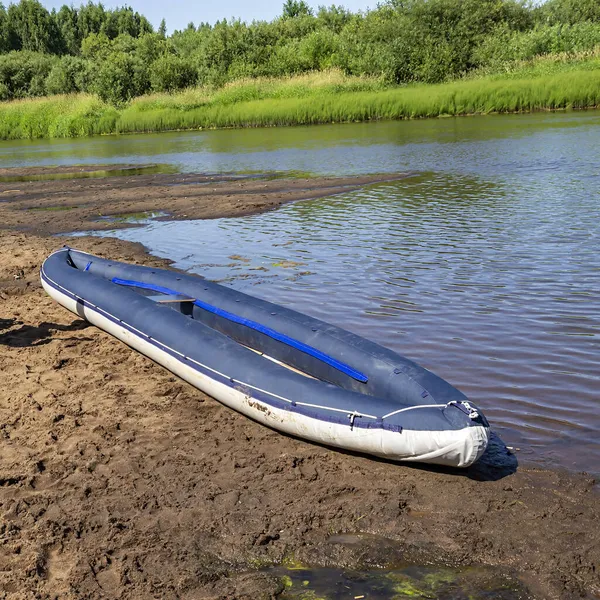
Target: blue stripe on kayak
<point>276,335</point>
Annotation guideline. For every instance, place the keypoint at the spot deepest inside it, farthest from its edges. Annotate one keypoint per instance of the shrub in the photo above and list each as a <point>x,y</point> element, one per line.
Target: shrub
<point>118,79</point>
<point>170,72</point>
<point>70,74</point>
<point>23,74</point>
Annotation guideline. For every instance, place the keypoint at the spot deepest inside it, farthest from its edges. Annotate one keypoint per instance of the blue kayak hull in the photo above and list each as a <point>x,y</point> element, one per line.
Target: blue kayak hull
<point>280,367</point>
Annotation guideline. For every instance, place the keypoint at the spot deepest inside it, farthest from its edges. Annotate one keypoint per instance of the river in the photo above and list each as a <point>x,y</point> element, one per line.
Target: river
<point>483,266</point>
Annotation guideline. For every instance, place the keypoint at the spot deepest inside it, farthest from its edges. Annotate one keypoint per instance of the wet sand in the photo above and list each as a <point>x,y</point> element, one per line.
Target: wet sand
<point>118,480</point>
<point>51,207</point>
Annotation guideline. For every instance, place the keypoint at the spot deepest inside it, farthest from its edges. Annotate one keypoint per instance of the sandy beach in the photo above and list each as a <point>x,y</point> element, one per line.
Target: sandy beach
<point>118,480</point>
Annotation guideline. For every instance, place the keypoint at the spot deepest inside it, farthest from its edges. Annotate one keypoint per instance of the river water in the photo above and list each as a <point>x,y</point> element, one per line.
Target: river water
<point>483,266</point>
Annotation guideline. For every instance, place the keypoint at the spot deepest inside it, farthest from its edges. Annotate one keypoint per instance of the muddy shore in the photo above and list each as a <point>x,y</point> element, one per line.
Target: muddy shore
<point>118,480</point>
<point>59,206</point>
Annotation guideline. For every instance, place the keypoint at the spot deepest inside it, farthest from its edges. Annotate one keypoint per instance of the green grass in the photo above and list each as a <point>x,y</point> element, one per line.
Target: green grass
<point>56,117</point>
<point>546,83</point>
<point>260,88</point>
<point>574,89</point>
<point>543,66</point>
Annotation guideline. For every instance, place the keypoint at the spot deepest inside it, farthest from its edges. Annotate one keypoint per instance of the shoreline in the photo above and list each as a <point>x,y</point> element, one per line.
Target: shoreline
<point>51,207</point>
<point>259,104</point>
<point>119,480</point>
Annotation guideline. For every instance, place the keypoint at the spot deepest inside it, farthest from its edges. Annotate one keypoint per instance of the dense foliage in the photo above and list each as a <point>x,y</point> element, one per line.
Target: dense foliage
<point>117,55</point>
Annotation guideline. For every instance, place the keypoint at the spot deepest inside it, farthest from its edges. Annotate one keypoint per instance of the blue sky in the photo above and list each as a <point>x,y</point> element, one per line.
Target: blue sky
<point>179,13</point>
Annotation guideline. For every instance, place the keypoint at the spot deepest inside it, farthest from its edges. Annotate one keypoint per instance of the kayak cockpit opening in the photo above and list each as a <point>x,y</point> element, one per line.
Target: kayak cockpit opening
<point>290,352</point>
<point>181,301</point>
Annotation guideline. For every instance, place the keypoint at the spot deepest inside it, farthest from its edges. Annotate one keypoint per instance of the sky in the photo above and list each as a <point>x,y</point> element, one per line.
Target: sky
<point>178,13</point>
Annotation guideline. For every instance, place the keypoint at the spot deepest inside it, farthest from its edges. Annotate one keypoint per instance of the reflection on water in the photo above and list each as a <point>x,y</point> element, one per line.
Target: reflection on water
<point>491,285</point>
<point>483,145</point>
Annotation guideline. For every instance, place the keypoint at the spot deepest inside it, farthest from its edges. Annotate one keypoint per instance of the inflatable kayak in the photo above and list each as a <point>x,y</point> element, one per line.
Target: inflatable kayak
<point>280,367</point>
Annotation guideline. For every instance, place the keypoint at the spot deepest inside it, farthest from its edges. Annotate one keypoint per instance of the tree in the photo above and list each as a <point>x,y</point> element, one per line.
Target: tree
<point>33,27</point>
<point>295,8</point>
<point>96,46</point>
<point>334,17</point>
<point>66,23</point>
<point>125,21</point>
<point>90,19</point>
<point>115,80</point>
<point>5,41</point>
<point>69,75</point>
<point>151,46</point>
<point>23,74</point>
<point>571,11</point>
<point>162,29</point>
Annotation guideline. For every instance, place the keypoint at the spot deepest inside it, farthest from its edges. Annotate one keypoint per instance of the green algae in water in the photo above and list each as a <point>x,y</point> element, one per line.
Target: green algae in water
<point>310,595</point>
<point>439,578</point>
<point>291,564</point>
<point>408,589</point>
<point>426,583</point>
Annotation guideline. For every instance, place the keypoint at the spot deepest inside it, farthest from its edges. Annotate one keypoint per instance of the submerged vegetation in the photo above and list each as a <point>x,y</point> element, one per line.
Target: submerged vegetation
<point>431,583</point>
<point>88,70</point>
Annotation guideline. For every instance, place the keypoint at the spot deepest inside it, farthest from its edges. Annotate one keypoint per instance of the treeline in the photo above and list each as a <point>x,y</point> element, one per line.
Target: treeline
<point>117,55</point>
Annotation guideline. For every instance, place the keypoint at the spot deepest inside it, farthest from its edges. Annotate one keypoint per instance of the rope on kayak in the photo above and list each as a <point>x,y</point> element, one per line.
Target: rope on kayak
<point>465,407</point>
<point>401,410</point>
<point>462,405</point>
<point>295,402</point>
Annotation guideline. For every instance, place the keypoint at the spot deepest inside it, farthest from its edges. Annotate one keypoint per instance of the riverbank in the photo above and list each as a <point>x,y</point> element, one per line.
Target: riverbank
<point>119,480</point>
<point>317,98</point>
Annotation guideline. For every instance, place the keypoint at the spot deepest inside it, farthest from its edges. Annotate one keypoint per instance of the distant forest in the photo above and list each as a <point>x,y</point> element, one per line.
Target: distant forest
<point>118,55</point>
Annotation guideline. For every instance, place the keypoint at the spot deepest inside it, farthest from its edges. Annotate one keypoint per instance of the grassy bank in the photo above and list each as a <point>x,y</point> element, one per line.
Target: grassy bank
<point>577,89</point>
<point>56,117</point>
<point>546,84</point>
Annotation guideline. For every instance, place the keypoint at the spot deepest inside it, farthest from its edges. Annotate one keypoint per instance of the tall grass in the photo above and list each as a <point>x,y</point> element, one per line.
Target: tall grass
<point>56,117</point>
<point>308,99</point>
<point>260,88</point>
<point>577,89</point>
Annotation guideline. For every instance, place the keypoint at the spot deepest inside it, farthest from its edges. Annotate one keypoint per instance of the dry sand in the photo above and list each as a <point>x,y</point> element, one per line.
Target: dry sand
<point>118,480</point>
